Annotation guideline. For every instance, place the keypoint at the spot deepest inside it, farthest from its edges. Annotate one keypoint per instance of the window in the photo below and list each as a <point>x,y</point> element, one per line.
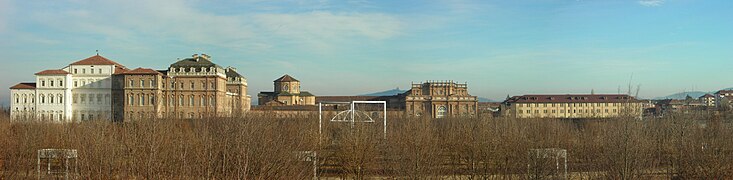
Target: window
<point>83,71</point>
<point>203,101</point>
<point>170,101</point>
<point>152,99</point>
<point>91,98</point>
<point>213,85</point>
<point>180,101</point>
<point>100,70</point>
<point>141,99</point>
<point>441,112</point>
<point>99,98</point>
<point>50,83</point>
<point>61,99</point>
<point>76,84</point>
<point>17,99</point>
<point>75,71</point>
<point>285,87</point>
<point>192,85</point>
<point>131,100</point>
<point>190,101</point>
<point>142,83</point>
<point>132,83</point>
<point>61,83</point>
<point>212,101</point>
<point>152,83</point>
<point>43,99</point>
<point>203,85</point>
<point>83,98</point>
<point>43,83</point>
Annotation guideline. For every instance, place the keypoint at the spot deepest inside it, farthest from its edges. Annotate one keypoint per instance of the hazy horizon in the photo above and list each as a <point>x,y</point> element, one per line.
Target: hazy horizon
<point>357,47</point>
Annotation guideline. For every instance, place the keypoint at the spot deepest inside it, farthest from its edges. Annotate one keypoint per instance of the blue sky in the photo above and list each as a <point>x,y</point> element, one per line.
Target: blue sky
<point>361,46</point>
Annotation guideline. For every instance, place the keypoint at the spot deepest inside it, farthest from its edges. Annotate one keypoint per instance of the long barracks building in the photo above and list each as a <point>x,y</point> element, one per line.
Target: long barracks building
<point>572,106</point>
<point>99,88</point>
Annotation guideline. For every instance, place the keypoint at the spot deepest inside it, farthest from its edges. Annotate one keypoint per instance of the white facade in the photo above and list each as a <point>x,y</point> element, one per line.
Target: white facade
<point>91,91</point>
<point>52,95</point>
<point>80,91</point>
<point>22,103</point>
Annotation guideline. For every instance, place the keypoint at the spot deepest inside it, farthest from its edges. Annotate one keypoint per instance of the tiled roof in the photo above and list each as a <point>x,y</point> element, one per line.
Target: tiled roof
<point>286,78</point>
<point>24,86</point>
<point>96,60</point>
<point>572,98</point>
<point>142,71</point>
<point>53,72</point>
<point>724,91</point>
<point>194,62</point>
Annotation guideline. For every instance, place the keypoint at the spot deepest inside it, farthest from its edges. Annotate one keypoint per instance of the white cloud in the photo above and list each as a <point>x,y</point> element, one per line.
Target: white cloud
<point>180,20</point>
<point>651,3</point>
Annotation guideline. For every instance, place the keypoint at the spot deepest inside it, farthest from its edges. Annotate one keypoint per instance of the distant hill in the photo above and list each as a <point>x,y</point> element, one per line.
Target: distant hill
<point>483,99</point>
<point>390,92</point>
<point>683,95</point>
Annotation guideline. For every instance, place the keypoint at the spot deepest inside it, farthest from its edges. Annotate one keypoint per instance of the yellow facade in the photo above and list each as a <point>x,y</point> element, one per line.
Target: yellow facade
<point>583,108</point>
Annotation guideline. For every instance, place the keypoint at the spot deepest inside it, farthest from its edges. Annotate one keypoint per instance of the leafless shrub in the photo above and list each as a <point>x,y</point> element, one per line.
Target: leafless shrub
<point>686,146</point>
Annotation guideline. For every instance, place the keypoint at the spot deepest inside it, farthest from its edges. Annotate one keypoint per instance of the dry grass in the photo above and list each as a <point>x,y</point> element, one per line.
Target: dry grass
<point>696,146</point>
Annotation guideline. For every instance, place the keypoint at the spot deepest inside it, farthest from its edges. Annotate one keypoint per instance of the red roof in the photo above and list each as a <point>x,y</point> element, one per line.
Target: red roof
<point>53,72</point>
<point>141,71</point>
<point>572,98</point>
<point>24,86</point>
<point>96,60</point>
<point>286,78</point>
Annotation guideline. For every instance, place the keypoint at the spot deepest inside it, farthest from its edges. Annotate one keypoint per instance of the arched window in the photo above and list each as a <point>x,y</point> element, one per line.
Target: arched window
<point>25,98</point>
<point>141,99</point>
<point>152,99</point>
<point>190,101</point>
<point>50,81</point>
<point>180,100</point>
<point>131,100</point>
<point>43,99</point>
<point>61,99</point>
<point>203,101</point>
<point>441,112</point>
<point>17,99</point>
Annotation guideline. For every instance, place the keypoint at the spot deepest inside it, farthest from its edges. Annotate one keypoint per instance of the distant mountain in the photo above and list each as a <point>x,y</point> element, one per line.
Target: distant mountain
<point>390,92</point>
<point>483,99</point>
<point>683,95</point>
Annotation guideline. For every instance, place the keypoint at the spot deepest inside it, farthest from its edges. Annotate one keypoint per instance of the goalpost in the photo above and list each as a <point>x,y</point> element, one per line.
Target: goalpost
<point>354,115</point>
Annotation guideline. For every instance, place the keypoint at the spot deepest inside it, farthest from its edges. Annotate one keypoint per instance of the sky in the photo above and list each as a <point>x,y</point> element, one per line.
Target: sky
<point>353,47</point>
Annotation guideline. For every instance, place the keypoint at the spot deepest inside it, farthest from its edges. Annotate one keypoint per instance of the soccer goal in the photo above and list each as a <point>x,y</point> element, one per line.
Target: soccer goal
<point>353,112</point>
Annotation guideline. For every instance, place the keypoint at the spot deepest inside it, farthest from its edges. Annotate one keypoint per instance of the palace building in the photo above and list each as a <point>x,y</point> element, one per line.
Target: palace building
<point>572,106</point>
<point>439,99</point>
<point>286,92</point>
<point>99,88</point>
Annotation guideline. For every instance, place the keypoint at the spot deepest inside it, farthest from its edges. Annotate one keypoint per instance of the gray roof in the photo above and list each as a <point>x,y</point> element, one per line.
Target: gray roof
<point>194,62</point>
<point>232,73</point>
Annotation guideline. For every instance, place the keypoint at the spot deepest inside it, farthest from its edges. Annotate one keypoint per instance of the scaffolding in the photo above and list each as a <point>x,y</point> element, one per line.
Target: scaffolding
<point>57,164</point>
